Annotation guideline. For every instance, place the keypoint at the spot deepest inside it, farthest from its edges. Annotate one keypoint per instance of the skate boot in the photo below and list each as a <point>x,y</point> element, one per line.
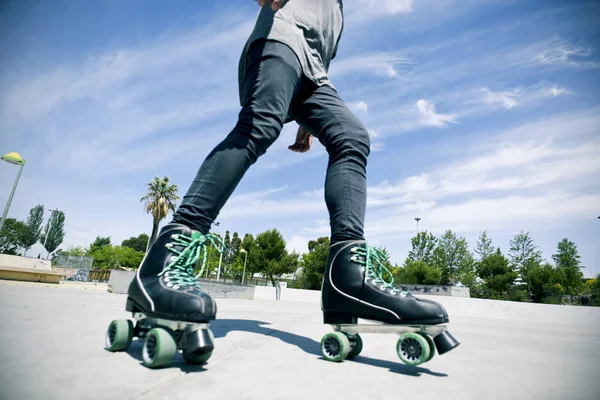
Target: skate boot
<point>354,287</point>
<point>165,286</point>
<point>170,309</point>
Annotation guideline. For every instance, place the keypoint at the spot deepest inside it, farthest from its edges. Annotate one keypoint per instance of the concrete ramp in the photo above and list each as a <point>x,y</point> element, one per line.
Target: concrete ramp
<point>52,347</point>
<point>27,269</point>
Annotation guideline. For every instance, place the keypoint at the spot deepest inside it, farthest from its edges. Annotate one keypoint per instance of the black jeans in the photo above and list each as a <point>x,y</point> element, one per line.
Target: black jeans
<point>276,91</point>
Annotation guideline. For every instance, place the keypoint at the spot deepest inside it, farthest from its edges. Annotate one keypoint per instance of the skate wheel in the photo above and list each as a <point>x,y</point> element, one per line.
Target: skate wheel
<point>119,335</point>
<point>431,345</point>
<point>412,348</point>
<point>198,356</point>
<point>335,346</point>
<point>159,348</point>
<point>356,345</point>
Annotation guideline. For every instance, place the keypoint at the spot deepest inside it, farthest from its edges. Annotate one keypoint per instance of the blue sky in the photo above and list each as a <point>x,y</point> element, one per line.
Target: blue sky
<point>484,114</point>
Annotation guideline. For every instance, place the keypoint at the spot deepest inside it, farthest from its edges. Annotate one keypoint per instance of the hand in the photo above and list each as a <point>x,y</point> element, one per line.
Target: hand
<point>275,4</point>
<point>303,141</point>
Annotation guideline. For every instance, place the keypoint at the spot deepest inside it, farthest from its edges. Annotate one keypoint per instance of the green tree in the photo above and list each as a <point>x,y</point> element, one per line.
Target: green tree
<point>568,264</point>
<point>10,236</point>
<point>543,281</point>
<point>128,258</point>
<point>159,199</point>
<point>54,232</point>
<point>422,249</point>
<point>272,255</point>
<point>454,259</point>
<point>418,272</point>
<point>592,290</point>
<point>138,243</point>
<point>484,246</point>
<point>496,273</point>
<point>523,254</point>
<point>314,263</point>
<point>115,257</point>
<point>98,243</point>
<point>31,234</point>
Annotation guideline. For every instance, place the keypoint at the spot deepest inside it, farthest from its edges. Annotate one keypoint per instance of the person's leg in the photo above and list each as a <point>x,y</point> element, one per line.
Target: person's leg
<point>273,78</point>
<point>327,117</point>
<point>165,285</point>
<point>353,286</point>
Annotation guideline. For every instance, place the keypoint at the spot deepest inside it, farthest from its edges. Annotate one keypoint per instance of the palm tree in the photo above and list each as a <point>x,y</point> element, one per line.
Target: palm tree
<point>160,198</point>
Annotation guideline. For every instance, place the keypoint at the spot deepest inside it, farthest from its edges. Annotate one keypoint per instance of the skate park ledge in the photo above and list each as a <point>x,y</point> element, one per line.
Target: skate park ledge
<point>119,283</point>
<point>27,269</point>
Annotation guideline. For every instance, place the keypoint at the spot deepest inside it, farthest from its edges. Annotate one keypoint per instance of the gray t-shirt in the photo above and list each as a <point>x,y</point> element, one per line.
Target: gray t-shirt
<point>311,28</point>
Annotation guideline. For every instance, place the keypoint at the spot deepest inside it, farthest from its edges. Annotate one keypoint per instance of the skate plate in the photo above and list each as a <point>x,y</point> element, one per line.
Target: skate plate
<point>431,330</point>
<point>162,339</point>
<point>417,343</point>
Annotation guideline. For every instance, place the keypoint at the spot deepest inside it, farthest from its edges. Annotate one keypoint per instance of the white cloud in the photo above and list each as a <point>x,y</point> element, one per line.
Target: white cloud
<point>507,99</point>
<point>429,116</point>
<point>555,51</point>
<point>380,64</point>
<point>359,106</point>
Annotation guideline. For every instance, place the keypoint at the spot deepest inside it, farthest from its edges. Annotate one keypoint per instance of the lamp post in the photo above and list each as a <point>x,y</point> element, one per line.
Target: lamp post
<point>224,233</point>
<point>245,258</point>
<point>13,158</point>
<point>417,219</point>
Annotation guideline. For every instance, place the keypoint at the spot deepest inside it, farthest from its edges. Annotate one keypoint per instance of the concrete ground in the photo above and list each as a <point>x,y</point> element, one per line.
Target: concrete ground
<point>52,339</point>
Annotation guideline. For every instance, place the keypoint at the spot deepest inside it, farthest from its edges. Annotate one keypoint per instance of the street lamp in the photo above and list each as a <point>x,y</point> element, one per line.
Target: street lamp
<point>13,158</point>
<point>224,233</point>
<point>417,219</point>
<point>245,258</point>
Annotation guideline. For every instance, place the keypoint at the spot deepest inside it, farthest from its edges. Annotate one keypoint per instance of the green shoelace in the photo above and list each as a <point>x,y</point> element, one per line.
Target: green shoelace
<point>180,271</point>
<point>374,261</point>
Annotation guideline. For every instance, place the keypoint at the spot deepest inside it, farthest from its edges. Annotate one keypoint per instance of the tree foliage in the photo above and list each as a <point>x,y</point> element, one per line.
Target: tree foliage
<point>272,256</point>
<point>544,282</point>
<point>33,228</point>
<point>98,243</point>
<point>54,232</point>
<point>484,246</point>
<point>422,247</point>
<point>314,263</point>
<point>453,258</point>
<point>569,266</point>
<point>108,256</point>
<point>418,272</point>
<point>523,254</point>
<point>138,243</point>
<point>496,273</point>
<point>159,199</point>
<point>10,236</point>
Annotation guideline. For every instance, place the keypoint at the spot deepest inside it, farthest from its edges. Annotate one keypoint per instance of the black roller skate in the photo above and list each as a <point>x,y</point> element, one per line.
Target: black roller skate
<point>354,287</point>
<point>171,310</point>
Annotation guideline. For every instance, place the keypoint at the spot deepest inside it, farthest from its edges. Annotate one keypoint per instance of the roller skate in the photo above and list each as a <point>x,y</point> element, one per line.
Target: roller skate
<point>170,310</point>
<point>354,287</point>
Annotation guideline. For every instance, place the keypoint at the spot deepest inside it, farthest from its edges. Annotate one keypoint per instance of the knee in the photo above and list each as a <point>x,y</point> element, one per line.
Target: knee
<point>352,141</point>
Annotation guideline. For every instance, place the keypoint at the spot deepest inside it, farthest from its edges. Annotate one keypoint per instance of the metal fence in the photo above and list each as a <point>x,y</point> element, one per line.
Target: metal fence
<point>79,262</point>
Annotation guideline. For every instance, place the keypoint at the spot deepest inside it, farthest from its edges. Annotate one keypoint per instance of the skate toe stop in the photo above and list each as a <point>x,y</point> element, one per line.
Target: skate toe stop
<point>444,342</point>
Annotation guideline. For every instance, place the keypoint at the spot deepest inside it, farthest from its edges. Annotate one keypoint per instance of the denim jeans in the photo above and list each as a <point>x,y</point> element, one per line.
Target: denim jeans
<point>275,91</point>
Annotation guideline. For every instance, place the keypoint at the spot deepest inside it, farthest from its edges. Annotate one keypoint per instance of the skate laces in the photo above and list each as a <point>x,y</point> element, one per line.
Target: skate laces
<point>374,261</point>
<point>180,271</point>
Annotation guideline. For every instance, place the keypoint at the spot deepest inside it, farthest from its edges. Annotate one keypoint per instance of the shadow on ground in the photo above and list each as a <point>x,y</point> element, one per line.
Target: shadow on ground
<point>222,327</point>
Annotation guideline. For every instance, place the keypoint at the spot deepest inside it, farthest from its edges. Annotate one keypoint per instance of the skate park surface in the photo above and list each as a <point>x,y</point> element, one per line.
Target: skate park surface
<point>52,347</point>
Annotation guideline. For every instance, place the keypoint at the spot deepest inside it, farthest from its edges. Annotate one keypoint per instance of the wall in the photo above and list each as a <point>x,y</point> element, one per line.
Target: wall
<point>228,290</point>
<point>119,283</point>
<point>437,290</point>
<point>24,262</point>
